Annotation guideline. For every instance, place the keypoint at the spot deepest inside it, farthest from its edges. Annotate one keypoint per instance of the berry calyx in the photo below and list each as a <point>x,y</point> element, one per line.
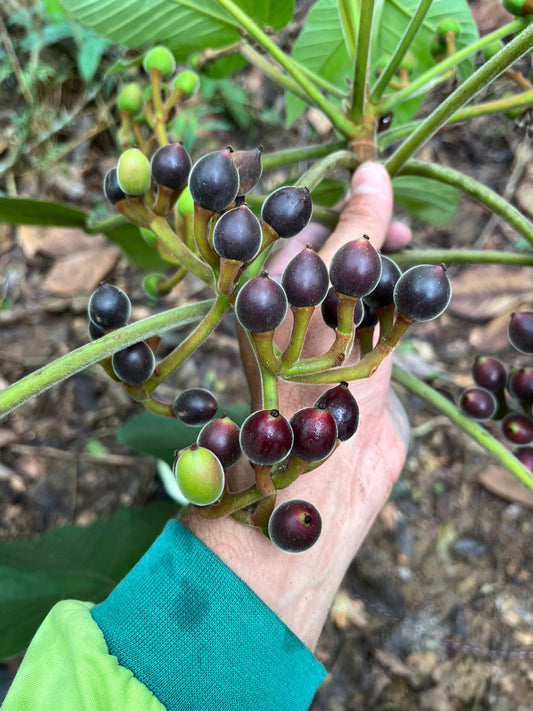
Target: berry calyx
<point>171,165</point>
<point>199,475</point>
<point>159,58</point>
<point>135,364</point>
<point>261,304</point>
<point>423,292</point>
<point>109,307</point>
<point>195,406</point>
<point>355,268</point>
<point>237,234</point>
<point>520,331</point>
<point>214,180</point>
<point>305,279</point>
<point>133,172</point>
<point>343,407</point>
<point>250,168</point>
<point>112,190</point>
<point>287,210</point>
<point>221,436</point>
<point>478,403</point>
<point>130,98</point>
<point>315,433</point>
<point>295,526</point>
<point>266,437</point>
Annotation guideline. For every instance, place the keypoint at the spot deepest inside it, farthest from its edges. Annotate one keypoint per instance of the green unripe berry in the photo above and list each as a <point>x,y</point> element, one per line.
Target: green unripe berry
<point>437,48</point>
<point>150,285</point>
<point>408,62</point>
<point>518,7</point>
<point>188,82</point>
<point>133,172</point>
<point>382,63</point>
<point>199,475</point>
<point>450,24</point>
<point>160,58</point>
<point>492,49</point>
<point>130,98</point>
<point>185,203</point>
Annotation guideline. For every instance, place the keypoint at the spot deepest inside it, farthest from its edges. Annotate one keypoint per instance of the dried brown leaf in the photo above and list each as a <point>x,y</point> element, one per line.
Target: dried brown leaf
<point>502,483</point>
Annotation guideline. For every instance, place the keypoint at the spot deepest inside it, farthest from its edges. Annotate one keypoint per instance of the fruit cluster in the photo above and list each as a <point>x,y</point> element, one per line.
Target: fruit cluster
<point>506,394</point>
<point>196,215</point>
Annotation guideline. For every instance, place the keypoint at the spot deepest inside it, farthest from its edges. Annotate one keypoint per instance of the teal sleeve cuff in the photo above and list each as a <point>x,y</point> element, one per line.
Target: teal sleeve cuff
<point>199,638</point>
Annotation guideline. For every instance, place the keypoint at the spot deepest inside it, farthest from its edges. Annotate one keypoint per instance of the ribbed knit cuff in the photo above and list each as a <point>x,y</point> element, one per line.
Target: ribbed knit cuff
<point>199,638</point>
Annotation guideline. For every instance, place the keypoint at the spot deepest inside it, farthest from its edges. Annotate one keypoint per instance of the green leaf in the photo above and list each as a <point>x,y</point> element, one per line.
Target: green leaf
<point>428,200</point>
<point>70,562</point>
<point>328,192</point>
<point>349,17</point>
<point>160,436</point>
<point>21,211</point>
<point>184,26</point>
<point>138,253</point>
<point>90,50</point>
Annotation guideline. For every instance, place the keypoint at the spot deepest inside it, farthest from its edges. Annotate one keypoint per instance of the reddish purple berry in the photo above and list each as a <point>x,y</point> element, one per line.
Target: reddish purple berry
<point>295,526</point>
<point>315,433</point>
<point>266,437</point>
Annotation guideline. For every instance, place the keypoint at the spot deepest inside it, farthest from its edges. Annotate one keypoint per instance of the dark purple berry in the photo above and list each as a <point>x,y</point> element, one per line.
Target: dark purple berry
<point>249,167</point>
<point>329,310</point>
<point>369,318</point>
<point>517,428</point>
<point>214,180</point>
<point>287,210</point>
<point>112,190</point>
<point>383,292</point>
<point>195,406</point>
<point>520,385</point>
<point>237,234</point>
<point>305,279</point>
<point>295,526</point>
<point>520,331</point>
<point>261,304</point>
<point>315,433</point>
<point>171,165</point>
<point>355,268</point>
<point>478,403</point>
<point>134,364</point>
<point>343,406</point>
<point>489,373</point>
<point>109,307</point>
<point>423,292</point>
<point>525,455</point>
<point>221,436</point>
<point>266,437</point>
<point>95,331</point>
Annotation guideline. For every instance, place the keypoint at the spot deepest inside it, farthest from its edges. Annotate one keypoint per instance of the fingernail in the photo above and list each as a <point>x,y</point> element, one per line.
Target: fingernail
<point>369,179</point>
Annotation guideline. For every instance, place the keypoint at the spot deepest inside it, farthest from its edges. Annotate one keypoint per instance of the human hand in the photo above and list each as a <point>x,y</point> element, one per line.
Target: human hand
<point>350,488</point>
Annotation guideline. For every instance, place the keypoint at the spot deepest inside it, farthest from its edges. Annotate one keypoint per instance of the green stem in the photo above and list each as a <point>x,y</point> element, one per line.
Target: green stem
<point>334,114</point>
<point>314,176</point>
<point>478,433</point>
<point>400,96</point>
<point>301,317</point>
<point>362,60</point>
<point>464,92</point>
<point>486,196</point>
<point>75,361</point>
<point>272,72</point>
<point>394,62</point>
<point>269,389</point>
<point>290,156</point>
<point>462,256</point>
<point>159,113</point>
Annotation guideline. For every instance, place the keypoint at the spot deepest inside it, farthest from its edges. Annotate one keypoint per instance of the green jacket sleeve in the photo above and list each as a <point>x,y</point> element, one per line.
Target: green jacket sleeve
<point>181,631</point>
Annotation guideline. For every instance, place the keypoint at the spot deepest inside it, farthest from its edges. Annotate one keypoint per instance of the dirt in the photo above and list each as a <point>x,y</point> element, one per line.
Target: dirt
<point>435,613</point>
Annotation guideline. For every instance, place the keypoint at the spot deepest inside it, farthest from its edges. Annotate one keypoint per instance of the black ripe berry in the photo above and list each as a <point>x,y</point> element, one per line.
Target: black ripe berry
<point>237,234</point>
<point>355,268</point>
<point>369,318</point>
<point>305,279</point>
<point>134,364</point>
<point>315,433</point>
<point>520,331</point>
<point>517,428</point>
<point>195,406</point>
<point>214,180</point>
<point>478,403</point>
<point>329,310</point>
<point>287,210</point>
<point>295,526</point>
<point>423,292</point>
<point>109,307</point>
<point>266,437</point>
<point>383,292</point>
<point>95,331</point>
<point>249,167</point>
<point>520,385</point>
<point>343,406</point>
<point>261,304</point>
<point>171,165</point>
<point>221,436</point>
<point>112,190</point>
<point>489,373</point>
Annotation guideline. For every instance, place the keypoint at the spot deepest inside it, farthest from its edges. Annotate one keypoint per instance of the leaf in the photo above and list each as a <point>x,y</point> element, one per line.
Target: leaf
<point>70,562</point>
<point>427,200</point>
<point>161,436</point>
<point>138,253</point>
<point>329,192</point>
<point>21,211</point>
<point>184,26</point>
<point>90,50</point>
<point>349,17</point>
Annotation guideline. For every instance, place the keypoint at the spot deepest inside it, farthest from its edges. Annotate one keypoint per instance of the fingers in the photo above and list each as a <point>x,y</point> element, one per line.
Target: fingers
<point>398,236</point>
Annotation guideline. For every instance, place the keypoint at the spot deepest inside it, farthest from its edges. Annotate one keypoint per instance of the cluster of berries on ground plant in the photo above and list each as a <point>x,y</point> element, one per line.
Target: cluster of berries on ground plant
<point>196,215</point>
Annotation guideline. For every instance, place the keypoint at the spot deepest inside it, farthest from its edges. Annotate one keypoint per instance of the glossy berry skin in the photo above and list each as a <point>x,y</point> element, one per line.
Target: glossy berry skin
<point>383,292</point>
<point>95,331</point>
<point>237,234</point>
<point>221,436</point>
<point>261,304</point>
<point>199,475</point>
<point>214,181</point>
<point>423,292</point>
<point>295,526</point>
<point>329,310</point>
<point>369,318</point>
<point>195,406</point>
<point>315,433</point>
<point>250,168</point>
<point>266,437</point>
<point>355,268</point>
<point>171,165</point>
<point>109,307</point>
<point>520,385</point>
<point>517,428</point>
<point>135,364</point>
<point>287,210</point>
<point>489,373</point>
<point>525,455</point>
<point>133,172</point>
<point>305,279</point>
<point>112,190</point>
<point>478,403</point>
<point>520,331</point>
<point>343,407</point>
